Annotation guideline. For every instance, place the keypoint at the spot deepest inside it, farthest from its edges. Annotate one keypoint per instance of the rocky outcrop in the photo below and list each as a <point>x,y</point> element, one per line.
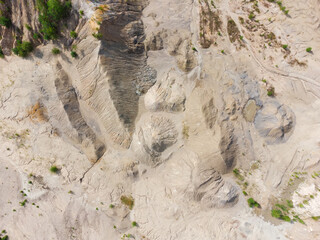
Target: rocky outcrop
<point>86,138</point>
<point>123,58</point>
<point>274,122</point>
<point>167,94</point>
<point>197,180</point>
<point>177,43</point>
<point>156,135</point>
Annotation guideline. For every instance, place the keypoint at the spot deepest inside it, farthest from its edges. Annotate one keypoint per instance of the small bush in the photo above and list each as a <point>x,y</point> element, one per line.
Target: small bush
<point>74,54</point>
<point>1,53</point>
<point>290,203</point>
<point>28,27</point>
<point>81,12</point>
<point>54,169</point>
<point>111,206</point>
<point>270,91</point>
<point>73,34</point>
<point>55,51</point>
<point>23,48</point>
<point>36,36</point>
<point>309,49</point>
<point>128,201</point>
<point>134,224</point>
<point>97,35</point>
<point>6,22</point>
<point>285,46</point>
<point>252,203</point>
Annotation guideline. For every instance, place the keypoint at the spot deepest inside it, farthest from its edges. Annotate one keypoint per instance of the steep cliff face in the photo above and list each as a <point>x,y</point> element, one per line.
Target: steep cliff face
<point>160,119</point>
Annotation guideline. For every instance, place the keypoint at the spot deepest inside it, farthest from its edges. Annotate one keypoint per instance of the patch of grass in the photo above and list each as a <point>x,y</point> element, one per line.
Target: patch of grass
<point>270,91</point>
<point>252,203</point>
<point>316,218</point>
<point>285,46</point>
<point>245,193</point>
<point>97,35</point>
<point>4,21</point>
<point>290,203</point>
<point>237,174</point>
<point>309,49</point>
<point>54,169</point>
<point>22,49</point>
<point>111,206</point>
<point>36,36</point>
<point>23,203</point>
<point>194,49</point>
<point>74,54</point>
<point>128,201</point>
<point>134,224</point>
<point>185,131</point>
<point>28,27</point>
<point>55,51</point>
<point>73,34</point>
<point>1,53</point>
<point>222,51</point>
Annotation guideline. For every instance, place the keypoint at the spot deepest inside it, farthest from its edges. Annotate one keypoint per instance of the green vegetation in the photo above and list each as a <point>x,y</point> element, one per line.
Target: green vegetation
<point>36,36</point>
<point>134,224</point>
<point>51,12</point>
<point>222,51</point>
<point>1,53</point>
<point>194,49</point>
<point>81,13</point>
<point>270,91</point>
<point>128,201</point>
<point>22,49</point>
<point>252,203</point>
<point>97,35</point>
<point>6,22</point>
<point>23,203</point>
<point>28,27</point>
<point>73,34</point>
<point>245,193</point>
<point>238,175</point>
<point>309,49</point>
<point>54,169</point>
<point>74,54</point>
<point>111,206</point>
<point>55,51</point>
<point>251,16</point>
<point>290,203</point>
<point>285,46</point>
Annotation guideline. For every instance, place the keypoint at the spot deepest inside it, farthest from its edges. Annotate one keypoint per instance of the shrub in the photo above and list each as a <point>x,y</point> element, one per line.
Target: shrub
<point>270,91</point>
<point>28,27</point>
<point>23,48</point>
<point>309,49</point>
<point>51,12</point>
<point>134,224</point>
<point>55,51</point>
<point>73,34</point>
<point>290,203</point>
<point>252,203</point>
<point>6,22</point>
<point>74,54</point>
<point>81,12</point>
<point>1,53</point>
<point>128,201</point>
<point>111,206</point>
<point>36,36</point>
<point>54,169</point>
<point>97,35</point>
<point>285,46</point>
